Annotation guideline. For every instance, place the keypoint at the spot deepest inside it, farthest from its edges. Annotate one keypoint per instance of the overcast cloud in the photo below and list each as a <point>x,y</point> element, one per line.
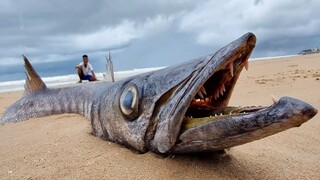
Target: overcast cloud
<point>144,33</point>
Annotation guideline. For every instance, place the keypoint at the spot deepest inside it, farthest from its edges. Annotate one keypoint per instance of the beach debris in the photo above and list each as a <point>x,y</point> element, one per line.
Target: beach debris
<point>109,68</point>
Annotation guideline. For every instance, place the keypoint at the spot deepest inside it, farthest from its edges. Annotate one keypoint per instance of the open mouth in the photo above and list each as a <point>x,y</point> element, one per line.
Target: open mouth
<point>210,103</point>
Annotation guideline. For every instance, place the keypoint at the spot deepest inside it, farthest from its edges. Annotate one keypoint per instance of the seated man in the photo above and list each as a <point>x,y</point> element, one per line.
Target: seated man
<point>85,70</point>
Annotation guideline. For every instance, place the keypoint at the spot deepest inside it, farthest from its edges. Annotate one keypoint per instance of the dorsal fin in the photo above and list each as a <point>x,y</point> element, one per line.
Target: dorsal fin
<point>33,81</point>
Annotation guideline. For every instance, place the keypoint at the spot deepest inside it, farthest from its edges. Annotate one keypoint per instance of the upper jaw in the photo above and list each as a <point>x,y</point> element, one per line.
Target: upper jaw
<point>214,82</point>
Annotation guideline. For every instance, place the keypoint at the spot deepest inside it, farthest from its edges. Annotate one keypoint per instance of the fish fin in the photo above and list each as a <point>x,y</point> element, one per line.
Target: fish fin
<point>34,82</point>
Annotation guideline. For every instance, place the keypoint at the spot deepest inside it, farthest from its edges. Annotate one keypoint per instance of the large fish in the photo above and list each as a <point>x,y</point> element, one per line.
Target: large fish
<point>179,109</point>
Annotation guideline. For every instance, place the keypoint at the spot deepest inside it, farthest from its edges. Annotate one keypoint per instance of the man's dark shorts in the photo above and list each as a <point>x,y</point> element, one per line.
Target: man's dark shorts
<point>86,77</point>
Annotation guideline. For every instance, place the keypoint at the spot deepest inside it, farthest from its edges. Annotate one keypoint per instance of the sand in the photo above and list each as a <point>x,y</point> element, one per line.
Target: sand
<point>62,147</point>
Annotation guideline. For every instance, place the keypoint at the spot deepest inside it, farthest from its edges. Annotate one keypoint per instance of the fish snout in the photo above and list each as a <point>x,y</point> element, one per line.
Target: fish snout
<point>296,109</point>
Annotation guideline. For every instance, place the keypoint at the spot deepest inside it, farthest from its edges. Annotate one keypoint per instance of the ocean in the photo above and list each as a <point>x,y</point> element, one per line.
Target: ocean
<point>56,81</point>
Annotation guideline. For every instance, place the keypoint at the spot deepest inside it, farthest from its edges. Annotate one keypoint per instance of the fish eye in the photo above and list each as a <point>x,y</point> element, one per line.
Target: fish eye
<point>129,100</point>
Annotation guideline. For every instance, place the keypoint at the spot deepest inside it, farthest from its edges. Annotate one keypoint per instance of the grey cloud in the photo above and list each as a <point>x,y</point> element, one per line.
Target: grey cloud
<point>256,2</point>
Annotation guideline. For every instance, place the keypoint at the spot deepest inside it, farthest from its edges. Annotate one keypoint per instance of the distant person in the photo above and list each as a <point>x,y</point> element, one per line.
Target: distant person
<point>85,70</point>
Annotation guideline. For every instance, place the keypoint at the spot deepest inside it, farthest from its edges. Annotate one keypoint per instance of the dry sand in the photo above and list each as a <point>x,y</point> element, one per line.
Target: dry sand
<point>61,146</point>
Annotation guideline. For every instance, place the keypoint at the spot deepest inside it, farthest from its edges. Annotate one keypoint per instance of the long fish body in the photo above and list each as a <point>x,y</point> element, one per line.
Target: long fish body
<point>179,109</point>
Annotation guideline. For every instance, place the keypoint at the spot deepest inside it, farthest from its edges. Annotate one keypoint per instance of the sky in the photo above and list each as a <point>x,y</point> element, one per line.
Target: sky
<point>54,34</point>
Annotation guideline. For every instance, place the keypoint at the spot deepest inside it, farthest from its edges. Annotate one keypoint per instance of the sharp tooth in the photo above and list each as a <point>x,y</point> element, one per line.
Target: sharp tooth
<point>197,100</point>
<point>231,68</point>
<point>200,94</point>
<point>246,64</point>
<point>216,96</point>
<point>223,87</point>
<point>274,99</point>
<point>221,91</point>
<point>203,90</point>
<point>207,99</point>
<point>220,114</point>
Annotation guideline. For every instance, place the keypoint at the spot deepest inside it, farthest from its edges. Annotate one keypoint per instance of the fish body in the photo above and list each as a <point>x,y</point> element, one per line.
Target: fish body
<point>178,109</point>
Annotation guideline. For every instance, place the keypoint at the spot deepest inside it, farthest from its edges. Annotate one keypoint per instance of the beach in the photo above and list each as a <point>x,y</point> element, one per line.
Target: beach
<point>62,146</point>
